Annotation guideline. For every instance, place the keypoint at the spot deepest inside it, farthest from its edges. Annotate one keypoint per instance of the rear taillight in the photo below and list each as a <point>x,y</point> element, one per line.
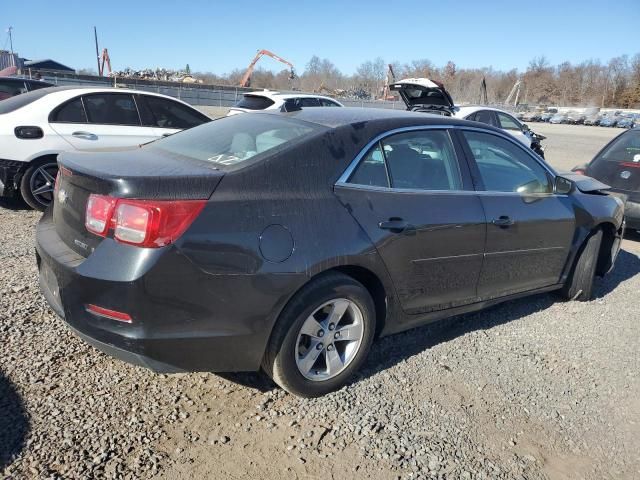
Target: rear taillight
<point>99,213</point>
<point>146,223</point>
<point>630,164</point>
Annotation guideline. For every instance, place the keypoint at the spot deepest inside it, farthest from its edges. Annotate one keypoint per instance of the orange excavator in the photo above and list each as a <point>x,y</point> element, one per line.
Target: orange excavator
<point>246,78</point>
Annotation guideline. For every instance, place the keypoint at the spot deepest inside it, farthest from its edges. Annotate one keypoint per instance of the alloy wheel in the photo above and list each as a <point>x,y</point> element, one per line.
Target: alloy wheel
<point>329,339</point>
<point>42,183</point>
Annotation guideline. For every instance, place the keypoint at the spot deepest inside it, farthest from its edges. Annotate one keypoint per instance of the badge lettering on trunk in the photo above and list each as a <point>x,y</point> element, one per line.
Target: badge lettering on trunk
<point>81,244</point>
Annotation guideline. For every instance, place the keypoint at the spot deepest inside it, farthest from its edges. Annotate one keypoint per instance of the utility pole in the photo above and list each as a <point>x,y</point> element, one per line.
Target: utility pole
<point>10,39</point>
<point>95,34</point>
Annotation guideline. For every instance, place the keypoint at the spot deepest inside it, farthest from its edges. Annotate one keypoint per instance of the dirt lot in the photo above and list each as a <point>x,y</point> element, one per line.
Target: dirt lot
<point>530,389</point>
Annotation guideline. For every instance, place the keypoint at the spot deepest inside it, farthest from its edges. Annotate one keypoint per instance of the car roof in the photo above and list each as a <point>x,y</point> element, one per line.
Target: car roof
<point>474,108</point>
<point>338,117</point>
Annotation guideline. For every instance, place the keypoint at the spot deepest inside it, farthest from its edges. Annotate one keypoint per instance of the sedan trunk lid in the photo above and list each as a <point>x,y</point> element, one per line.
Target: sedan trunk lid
<point>149,174</point>
<point>425,95</point>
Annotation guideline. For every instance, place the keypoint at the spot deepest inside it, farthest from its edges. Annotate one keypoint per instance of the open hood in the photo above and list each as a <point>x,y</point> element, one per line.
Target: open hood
<point>424,95</point>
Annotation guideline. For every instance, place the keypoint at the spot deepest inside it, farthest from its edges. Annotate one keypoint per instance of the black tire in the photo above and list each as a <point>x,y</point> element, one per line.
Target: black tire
<point>579,285</point>
<point>34,178</point>
<point>280,358</point>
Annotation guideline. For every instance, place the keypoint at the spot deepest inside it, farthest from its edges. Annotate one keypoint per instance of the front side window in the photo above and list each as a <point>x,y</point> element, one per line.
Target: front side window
<point>508,122</point>
<point>485,116</point>
<point>70,112</point>
<point>506,167</point>
<point>328,103</point>
<point>111,109</point>
<point>169,114</point>
<point>420,160</point>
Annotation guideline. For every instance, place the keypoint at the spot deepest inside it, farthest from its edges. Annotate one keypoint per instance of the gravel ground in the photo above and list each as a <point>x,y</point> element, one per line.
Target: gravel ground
<point>530,389</point>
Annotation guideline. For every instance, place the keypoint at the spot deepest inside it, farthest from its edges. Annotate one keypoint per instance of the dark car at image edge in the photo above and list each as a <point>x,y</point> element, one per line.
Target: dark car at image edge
<point>289,242</point>
<point>618,164</point>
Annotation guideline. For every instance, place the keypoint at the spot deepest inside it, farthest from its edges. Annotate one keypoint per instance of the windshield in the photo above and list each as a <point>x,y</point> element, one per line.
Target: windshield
<point>625,148</point>
<point>14,103</point>
<point>231,141</point>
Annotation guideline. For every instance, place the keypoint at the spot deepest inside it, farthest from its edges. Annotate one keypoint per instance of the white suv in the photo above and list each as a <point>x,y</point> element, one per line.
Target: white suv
<point>283,102</point>
<point>36,126</point>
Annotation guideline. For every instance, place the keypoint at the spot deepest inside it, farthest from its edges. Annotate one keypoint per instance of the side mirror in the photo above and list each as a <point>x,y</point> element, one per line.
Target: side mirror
<point>563,186</point>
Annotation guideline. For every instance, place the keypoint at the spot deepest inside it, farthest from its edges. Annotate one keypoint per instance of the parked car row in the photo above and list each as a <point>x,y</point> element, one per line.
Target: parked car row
<point>620,120</point>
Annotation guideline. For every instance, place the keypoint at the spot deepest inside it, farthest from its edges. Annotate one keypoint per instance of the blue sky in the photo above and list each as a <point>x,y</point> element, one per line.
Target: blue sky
<point>219,36</point>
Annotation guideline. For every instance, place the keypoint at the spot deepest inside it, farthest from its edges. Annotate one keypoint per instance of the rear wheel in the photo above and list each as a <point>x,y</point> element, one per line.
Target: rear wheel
<point>37,183</point>
<point>579,285</point>
<point>321,337</point>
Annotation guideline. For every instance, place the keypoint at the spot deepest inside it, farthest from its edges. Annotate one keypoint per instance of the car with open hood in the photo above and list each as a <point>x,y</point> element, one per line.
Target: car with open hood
<point>424,95</point>
<point>288,242</point>
<point>618,165</point>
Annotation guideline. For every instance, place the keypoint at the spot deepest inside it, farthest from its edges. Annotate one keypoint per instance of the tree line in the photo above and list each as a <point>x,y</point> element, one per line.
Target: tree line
<point>615,83</point>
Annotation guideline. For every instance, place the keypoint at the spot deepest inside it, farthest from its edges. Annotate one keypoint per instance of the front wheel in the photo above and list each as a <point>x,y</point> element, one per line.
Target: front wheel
<point>38,182</point>
<point>579,285</point>
<point>322,336</point>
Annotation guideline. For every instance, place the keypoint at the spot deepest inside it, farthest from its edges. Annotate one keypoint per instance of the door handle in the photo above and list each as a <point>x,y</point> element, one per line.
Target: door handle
<point>85,135</point>
<point>398,225</point>
<point>503,221</point>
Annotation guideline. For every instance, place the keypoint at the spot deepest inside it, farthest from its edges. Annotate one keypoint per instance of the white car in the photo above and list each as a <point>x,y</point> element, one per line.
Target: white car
<point>36,126</point>
<point>282,102</point>
<point>498,118</point>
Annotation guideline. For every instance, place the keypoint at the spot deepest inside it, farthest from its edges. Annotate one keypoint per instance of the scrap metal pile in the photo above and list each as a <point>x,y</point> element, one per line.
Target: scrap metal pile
<point>163,74</point>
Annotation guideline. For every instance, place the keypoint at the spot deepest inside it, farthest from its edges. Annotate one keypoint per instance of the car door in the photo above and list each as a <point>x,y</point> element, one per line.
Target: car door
<point>168,116</point>
<point>529,227</point>
<point>414,199</point>
<point>513,127</point>
<point>101,120</point>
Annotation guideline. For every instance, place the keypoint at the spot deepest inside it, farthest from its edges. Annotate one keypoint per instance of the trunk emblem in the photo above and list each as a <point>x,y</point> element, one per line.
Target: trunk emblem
<point>63,196</point>
<point>625,174</point>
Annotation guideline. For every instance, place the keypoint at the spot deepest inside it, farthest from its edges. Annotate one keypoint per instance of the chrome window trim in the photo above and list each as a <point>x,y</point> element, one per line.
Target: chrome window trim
<point>343,181</point>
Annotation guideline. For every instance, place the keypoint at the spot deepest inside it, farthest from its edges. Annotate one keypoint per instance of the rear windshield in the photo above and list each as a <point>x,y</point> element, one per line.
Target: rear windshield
<point>14,103</point>
<point>254,102</point>
<point>625,148</point>
<point>231,141</point>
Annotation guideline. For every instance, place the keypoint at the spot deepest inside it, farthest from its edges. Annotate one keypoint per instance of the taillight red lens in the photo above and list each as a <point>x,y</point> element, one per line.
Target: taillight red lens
<point>98,214</point>
<point>147,223</point>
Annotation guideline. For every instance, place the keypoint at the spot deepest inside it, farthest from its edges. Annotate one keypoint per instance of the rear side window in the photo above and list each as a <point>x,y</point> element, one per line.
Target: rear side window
<point>111,109</point>
<point>232,141</point>
<point>421,160</point>
<point>505,166</point>
<point>70,112</point>
<point>169,114</point>
<point>254,102</point>
<point>371,171</point>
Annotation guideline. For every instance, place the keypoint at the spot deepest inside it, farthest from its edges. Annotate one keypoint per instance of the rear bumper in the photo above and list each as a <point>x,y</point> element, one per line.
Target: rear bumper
<point>182,320</point>
<point>10,172</point>
<point>631,208</point>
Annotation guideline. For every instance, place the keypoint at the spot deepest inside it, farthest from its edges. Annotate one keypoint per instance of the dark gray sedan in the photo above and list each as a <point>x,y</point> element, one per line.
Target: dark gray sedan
<point>289,242</point>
